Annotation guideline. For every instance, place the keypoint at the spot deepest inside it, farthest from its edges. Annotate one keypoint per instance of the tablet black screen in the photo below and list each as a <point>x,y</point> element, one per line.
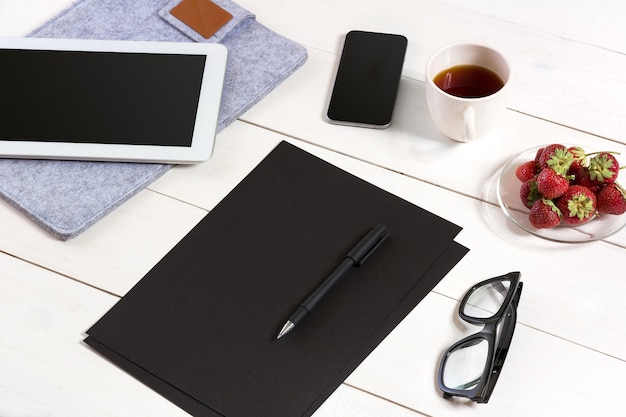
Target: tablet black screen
<point>99,97</point>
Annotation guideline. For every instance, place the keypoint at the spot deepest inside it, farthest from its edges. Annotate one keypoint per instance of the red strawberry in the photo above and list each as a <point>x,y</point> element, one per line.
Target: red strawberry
<point>528,192</point>
<point>547,152</point>
<point>603,168</point>
<point>557,157</point>
<point>544,214</point>
<point>538,154</point>
<point>551,184</point>
<point>611,199</point>
<point>581,177</point>
<point>577,205</point>
<point>579,157</point>
<point>526,171</point>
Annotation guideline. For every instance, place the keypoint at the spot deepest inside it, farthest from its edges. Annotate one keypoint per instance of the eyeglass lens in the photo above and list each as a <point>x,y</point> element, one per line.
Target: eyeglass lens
<point>465,366</point>
<point>486,300</point>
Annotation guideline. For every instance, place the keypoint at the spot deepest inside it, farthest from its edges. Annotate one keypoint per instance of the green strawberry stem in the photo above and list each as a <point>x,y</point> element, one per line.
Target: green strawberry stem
<point>599,152</point>
<point>581,206</point>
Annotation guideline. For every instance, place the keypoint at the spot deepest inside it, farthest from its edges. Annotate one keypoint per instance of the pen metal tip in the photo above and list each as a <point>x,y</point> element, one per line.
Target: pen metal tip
<point>286,329</point>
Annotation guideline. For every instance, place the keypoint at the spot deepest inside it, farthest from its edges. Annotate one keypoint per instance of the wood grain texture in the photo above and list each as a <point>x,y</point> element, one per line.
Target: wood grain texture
<point>569,351</point>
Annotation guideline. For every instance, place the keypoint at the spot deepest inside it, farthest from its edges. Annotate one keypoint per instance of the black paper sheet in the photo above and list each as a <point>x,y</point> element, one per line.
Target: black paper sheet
<point>200,328</point>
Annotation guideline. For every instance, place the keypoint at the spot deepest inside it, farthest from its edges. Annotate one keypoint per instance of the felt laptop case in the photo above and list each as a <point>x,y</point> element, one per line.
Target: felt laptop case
<point>66,197</point>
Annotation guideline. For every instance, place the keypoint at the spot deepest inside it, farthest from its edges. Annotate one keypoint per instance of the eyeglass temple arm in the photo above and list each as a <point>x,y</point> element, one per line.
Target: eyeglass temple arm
<point>508,327</point>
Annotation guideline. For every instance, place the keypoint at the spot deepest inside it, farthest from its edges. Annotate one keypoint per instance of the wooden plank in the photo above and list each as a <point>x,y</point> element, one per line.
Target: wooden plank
<point>45,368</point>
<point>542,375</point>
<point>579,20</point>
<point>140,233</point>
<point>559,298</point>
<point>19,18</point>
<point>412,144</point>
<point>570,330</point>
<point>239,148</point>
<point>114,253</point>
<point>555,78</point>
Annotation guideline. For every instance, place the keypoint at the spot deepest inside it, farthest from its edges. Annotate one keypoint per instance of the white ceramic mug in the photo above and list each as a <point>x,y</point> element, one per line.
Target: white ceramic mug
<point>459,118</point>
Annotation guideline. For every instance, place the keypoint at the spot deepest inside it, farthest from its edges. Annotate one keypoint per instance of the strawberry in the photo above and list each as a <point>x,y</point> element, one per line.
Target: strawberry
<point>557,157</point>
<point>577,205</point>
<point>581,177</point>
<point>551,184</point>
<point>538,155</point>
<point>611,199</point>
<point>544,214</point>
<point>528,192</point>
<point>603,168</point>
<point>526,171</point>
<point>569,185</point>
<point>546,153</point>
<point>579,157</point>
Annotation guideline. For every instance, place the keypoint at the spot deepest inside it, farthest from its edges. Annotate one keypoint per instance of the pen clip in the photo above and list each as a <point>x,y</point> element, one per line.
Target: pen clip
<point>368,245</point>
<point>372,249</point>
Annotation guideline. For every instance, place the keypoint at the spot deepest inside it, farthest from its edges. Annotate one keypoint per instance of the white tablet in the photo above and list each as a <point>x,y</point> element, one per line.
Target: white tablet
<point>109,100</point>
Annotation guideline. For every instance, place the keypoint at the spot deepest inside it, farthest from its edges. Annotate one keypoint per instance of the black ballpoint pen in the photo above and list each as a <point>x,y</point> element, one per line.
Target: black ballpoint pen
<point>354,258</point>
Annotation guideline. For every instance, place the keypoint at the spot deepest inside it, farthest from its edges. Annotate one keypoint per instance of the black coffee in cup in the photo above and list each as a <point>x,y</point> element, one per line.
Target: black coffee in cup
<point>468,81</point>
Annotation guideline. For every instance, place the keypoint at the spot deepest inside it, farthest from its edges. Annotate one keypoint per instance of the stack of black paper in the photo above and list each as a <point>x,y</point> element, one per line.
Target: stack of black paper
<point>200,328</point>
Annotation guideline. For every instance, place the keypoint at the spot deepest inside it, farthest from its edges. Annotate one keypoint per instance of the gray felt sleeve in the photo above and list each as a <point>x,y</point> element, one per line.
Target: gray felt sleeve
<point>66,197</point>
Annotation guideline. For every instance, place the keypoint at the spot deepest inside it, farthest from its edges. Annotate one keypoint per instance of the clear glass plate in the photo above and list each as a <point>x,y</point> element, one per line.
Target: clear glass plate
<point>507,190</point>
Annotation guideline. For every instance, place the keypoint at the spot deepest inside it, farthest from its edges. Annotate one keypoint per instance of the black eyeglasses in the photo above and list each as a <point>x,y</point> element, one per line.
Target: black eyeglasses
<point>470,368</point>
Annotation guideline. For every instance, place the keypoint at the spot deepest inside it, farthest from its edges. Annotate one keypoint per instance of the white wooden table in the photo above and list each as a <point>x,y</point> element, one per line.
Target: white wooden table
<point>569,350</point>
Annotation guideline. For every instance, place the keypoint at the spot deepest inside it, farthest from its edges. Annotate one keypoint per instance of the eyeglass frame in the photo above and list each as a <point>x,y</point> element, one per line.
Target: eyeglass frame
<point>496,355</point>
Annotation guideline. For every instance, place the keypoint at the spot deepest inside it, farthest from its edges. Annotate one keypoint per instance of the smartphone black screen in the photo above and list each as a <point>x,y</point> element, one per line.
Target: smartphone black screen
<point>367,80</point>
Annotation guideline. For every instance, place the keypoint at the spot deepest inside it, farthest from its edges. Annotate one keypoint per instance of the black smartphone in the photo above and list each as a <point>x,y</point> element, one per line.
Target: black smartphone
<point>367,79</point>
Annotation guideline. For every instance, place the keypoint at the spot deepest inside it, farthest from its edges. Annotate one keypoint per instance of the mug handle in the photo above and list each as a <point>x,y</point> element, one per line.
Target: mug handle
<point>469,120</point>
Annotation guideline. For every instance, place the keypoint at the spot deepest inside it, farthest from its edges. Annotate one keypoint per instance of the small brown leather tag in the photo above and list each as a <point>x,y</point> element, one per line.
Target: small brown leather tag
<point>203,16</point>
